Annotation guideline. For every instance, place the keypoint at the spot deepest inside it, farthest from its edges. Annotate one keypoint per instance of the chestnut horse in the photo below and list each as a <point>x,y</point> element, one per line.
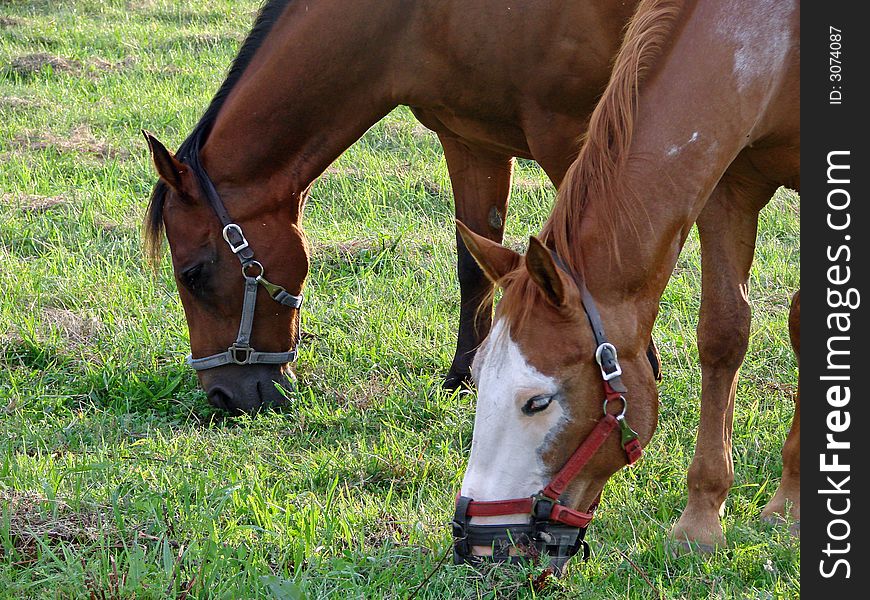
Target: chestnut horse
<point>493,80</point>
<point>699,122</point>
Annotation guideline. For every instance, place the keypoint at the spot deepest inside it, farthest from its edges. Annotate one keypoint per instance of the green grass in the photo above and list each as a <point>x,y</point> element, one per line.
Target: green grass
<point>118,481</point>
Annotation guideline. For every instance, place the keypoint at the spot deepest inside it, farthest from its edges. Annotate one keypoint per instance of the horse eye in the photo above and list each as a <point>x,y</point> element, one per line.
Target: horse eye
<point>537,404</point>
<point>190,275</point>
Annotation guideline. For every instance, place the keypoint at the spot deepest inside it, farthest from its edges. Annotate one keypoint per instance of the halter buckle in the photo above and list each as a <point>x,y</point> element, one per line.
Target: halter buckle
<point>601,359</point>
<point>235,247</point>
<point>244,351</point>
<point>542,506</point>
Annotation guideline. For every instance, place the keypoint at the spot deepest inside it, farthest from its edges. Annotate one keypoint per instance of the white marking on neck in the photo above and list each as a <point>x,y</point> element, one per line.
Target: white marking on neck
<point>759,50</point>
<point>676,149</point>
<point>505,461</point>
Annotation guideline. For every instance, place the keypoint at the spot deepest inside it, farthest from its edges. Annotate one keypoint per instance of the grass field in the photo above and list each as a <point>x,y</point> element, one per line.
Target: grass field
<point>118,481</point>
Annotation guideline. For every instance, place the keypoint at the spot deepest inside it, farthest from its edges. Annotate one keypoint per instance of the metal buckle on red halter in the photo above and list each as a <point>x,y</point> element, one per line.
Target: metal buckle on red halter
<point>553,528</point>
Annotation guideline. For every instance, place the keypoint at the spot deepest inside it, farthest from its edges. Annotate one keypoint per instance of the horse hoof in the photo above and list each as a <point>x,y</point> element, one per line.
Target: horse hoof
<point>455,382</point>
<point>776,520</point>
<point>682,547</point>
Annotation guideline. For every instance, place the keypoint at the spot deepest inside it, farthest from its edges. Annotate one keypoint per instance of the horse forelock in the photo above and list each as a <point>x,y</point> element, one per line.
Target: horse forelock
<point>153,226</point>
<point>597,176</point>
<point>521,295</point>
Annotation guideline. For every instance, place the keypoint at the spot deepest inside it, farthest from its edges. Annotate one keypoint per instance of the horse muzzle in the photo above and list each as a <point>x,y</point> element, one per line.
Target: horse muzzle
<point>516,543</point>
<point>247,389</point>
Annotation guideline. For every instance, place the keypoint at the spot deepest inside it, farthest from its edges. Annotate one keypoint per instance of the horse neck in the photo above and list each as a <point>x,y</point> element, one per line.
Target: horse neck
<point>693,118</point>
<point>319,80</point>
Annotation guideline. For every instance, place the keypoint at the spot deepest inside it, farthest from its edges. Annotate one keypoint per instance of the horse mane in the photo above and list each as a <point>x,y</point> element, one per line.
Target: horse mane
<point>268,15</point>
<point>595,175</point>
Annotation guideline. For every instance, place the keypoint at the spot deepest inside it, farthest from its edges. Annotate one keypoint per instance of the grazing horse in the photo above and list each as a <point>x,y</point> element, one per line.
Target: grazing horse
<point>699,123</point>
<point>494,80</point>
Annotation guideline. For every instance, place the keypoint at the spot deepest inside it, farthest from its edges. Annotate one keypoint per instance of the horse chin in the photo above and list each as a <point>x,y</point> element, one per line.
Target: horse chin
<point>247,389</point>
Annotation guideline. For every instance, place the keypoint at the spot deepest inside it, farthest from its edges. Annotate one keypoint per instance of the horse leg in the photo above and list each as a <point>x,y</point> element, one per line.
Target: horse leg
<point>481,186</point>
<point>787,499</point>
<point>727,227</point>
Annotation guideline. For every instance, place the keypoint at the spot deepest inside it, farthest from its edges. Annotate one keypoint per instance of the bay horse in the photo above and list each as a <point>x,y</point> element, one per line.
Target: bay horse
<point>493,80</point>
<point>699,123</point>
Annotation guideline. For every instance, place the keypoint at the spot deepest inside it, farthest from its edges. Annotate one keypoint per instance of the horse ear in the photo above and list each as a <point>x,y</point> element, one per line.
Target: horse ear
<point>495,260</point>
<point>545,273</point>
<point>175,173</point>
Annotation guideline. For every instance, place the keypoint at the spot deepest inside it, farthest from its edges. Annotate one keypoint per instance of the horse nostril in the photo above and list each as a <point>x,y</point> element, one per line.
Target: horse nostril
<point>220,398</point>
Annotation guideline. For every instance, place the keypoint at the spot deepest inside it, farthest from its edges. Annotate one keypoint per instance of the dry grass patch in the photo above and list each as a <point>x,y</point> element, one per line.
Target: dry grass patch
<point>34,63</point>
<point>416,129</point>
<point>34,520</point>
<point>365,395</point>
<point>106,225</point>
<point>33,203</point>
<point>344,171</point>
<point>435,190</point>
<point>76,329</point>
<point>30,64</point>
<point>142,5</point>
<point>211,39</point>
<point>103,65</point>
<point>80,140</point>
<point>528,183</point>
<point>346,250</point>
<point>421,131</point>
<point>387,529</point>
<point>17,102</point>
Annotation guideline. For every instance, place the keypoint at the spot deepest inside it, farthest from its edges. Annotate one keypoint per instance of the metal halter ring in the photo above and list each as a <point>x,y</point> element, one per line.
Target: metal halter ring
<point>253,263</point>
<point>621,415</point>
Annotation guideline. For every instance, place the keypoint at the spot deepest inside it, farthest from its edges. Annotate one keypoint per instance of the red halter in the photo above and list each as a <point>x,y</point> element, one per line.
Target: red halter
<point>547,513</point>
<point>557,486</point>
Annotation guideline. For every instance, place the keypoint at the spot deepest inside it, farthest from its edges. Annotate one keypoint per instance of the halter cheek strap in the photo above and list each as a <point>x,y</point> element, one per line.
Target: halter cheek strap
<point>241,352</point>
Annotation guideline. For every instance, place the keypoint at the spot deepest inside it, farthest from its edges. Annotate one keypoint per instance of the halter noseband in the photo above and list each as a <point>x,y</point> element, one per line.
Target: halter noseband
<point>241,352</point>
<point>553,528</point>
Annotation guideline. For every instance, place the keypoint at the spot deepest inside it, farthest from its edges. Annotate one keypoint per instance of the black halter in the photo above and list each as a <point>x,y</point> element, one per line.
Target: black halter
<point>241,352</point>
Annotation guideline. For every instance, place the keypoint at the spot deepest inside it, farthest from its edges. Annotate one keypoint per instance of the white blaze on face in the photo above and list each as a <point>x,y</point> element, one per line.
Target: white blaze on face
<point>505,461</point>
